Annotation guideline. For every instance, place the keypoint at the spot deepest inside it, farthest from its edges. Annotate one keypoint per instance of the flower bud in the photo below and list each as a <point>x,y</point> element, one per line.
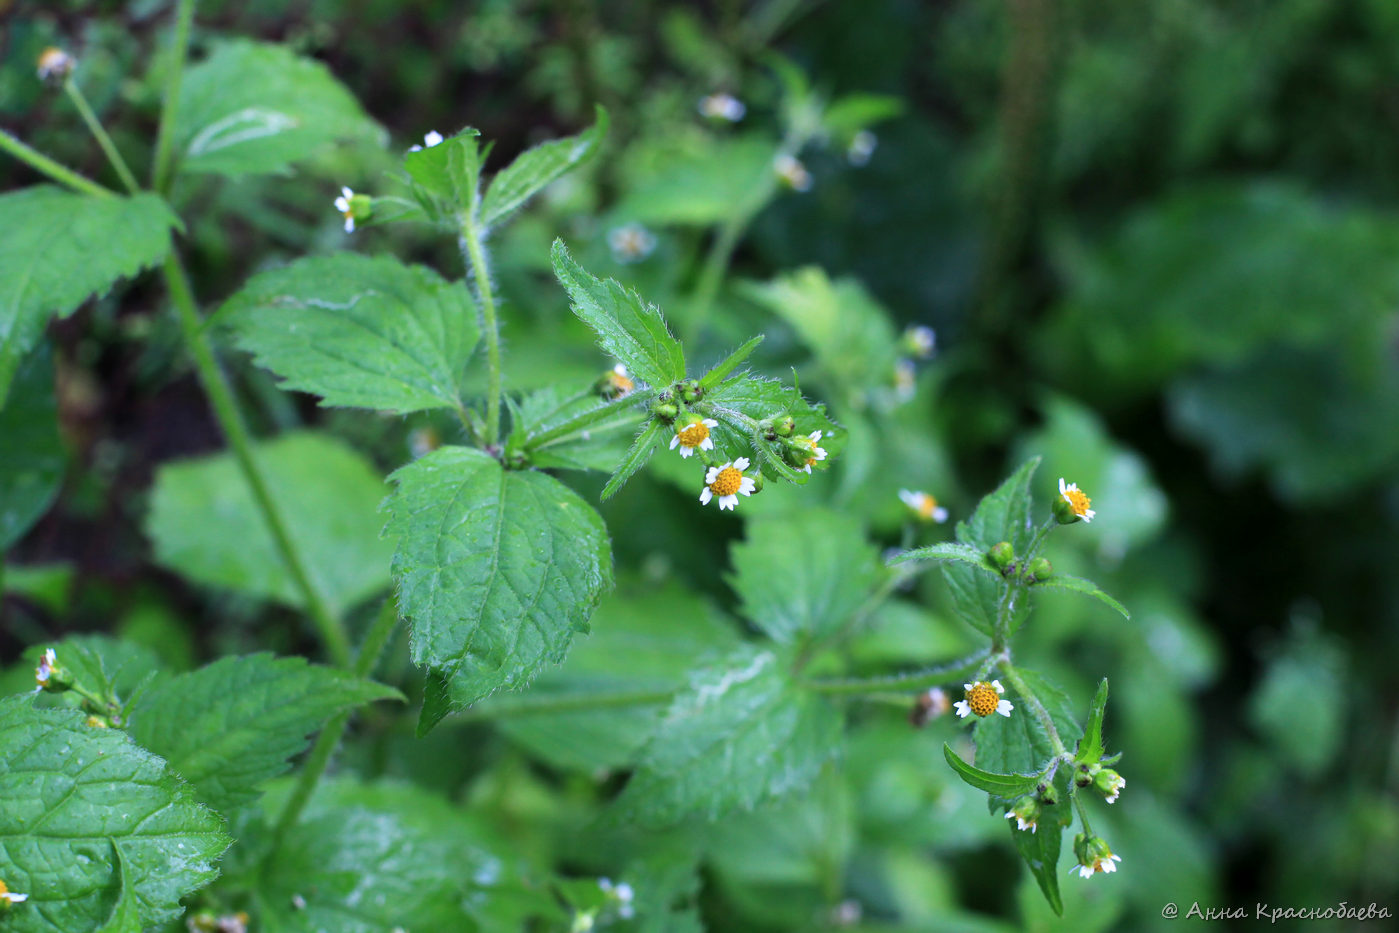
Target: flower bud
<point>1001,555</point>
<point>614,384</point>
<point>1047,795</point>
<point>759,481</point>
<point>1026,814</point>
<point>1040,569</point>
<point>1093,855</point>
<point>784,425</point>
<point>1109,783</point>
<point>55,66</point>
<point>691,391</point>
<point>666,411</point>
<point>1085,773</point>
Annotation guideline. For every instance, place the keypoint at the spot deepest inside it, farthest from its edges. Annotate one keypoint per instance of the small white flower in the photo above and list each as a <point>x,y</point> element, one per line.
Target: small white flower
<point>55,65</point>
<point>631,243</point>
<point>624,893</point>
<point>792,172</point>
<point>1077,500</point>
<point>433,138</point>
<point>1116,788</point>
<point>694,435</point>
<point>983,699</point>
<point>44,671</point>
<point>1097,865</point>
<point>346,209</point>
<point>861,148</point>
<point>722,107</point>
<point>817,453</point>
<point>1021,823</point>
<point>921,341</point>
<point>727,482</point>
<point>924,505</point>
<point>9,897</point>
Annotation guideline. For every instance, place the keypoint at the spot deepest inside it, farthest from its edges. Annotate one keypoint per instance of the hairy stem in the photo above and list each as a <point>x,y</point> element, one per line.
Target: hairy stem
<point>1028,695</point>
<point>161,168</point>
<point>476,258</point>
<point>531,705</point>
<point>42,163</point>
<point>95,127</point>
<point>913,681</point>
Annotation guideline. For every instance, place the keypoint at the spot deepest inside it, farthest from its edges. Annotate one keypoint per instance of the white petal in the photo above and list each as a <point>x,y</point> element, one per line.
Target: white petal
<point>909,498</point>
<point>741,463</point>
<point>1085,871</point>
<point>814,436</point>
<point>433,138</point>
<point>685,452</point>
<point>963,709</point>
<point>1088,515</point>
<point>997,685</point>
<point>1115,858</point>
<point>939,515</point>
<point>707,444</point>
<point>807,468</point>
<point>674,440</point>
<point>1004,708</point>
<point>342,205</point>
<point>349,225</point>
<point>348,193</point>
<point>1062,487</point>
<point>415,148</point>
<point>710,423</point>
<point>966,686</point>
<point>746,486</point>
<point>728,502</point>
<point>706,496</point>
<point>712,475</point>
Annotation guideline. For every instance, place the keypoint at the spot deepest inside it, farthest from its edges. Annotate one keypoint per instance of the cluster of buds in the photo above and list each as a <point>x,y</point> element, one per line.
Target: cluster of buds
<point>1002,555</point>
<point>1093,855</point>
<point>1104,780</point>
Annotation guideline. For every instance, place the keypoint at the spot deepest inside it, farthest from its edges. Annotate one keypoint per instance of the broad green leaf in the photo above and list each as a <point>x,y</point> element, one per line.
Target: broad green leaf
<point>626,327</point>
<point>1090,749</point>
<point>207,527</point>
<point>1002,515</point>
<point>1005,786</point>
<point>103,665</point>
<point>496,570</point>
<point>751,397</point>
<point>1063,581</point>
<point>847,115</point>
<point>232,726</point>
<point>58,248</point>
<point>555,429</point>
<point>729,363</point>
<point>642,642</point>
<point>1040,850</point>
<point>72,797</point>
<point>362,331</point>
<point>741,734</point>
<point>448,172</point>
<point>949,551</point>
<point>640,451</point>
<point>1018,743</point>
<point>31,457</point>
<point>706,184</point>
<point>804,576</point>
<point>372,858</point>
<point>252,108</point>
<point>535,168</point>
<point>126,915</point>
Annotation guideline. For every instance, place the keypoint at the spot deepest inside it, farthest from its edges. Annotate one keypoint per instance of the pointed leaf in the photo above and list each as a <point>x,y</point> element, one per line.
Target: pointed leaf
<point>1040,850</point>
<point>449,171</point>
<point>949,551</point>
<point>496,570</point>
<point>535,168</point>
<point>1007,786</point>
<point>731,362</point>
<point>1061,581</point>
<point>641,450</point>
<point>626,327</point>
<point>752,397</point>
<point>1091,747</point>
<point>1003,515</point>
<point>356,330</point>
<point>1019,743</point>
<point>71,798</point>
<point>232,726</point>
<point>58,248</point>
<point>32,457</point>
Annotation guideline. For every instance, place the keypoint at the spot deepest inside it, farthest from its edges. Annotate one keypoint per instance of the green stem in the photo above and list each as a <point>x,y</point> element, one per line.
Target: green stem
<point>216,387</point>
<point>579,422</point>
<point>1023,690</point>
<point>161,175</point>
<point>912,681</point>
<point>95,127</point>
<point>476,257</point>
<point>528,705</point>
<point>40,162</point>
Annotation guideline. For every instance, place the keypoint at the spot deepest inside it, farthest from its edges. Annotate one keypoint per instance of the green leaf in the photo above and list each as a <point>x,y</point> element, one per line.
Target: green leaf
<point>71,798</point>
<point>449,172</point>
<point>1018,743</point>
<point>743,733</point>
<point>1040,850</point>
<point>731,362</point>
<point>1002,515</point>
<point>230,727</point>
<point>627,328</point>
<point>1063,581</point>
<point>496,570</point>
<point>252,108</point>
<point>705,183</point>
<point>126,915</point>
<point>1090,749</point>
<point>805,575</point>
<point>1006,786</point>
<point>535,168</point>
<point>207,527</point>
<point>758,398</point>
<point>949,551</point>
<point>641,450</point>
<point>58,248</point>
<point>103,665</point>
<point>32,459</point>
<point>361,331</point>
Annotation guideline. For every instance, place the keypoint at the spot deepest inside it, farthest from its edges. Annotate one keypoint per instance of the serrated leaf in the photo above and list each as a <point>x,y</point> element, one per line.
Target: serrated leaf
<point>729,363</point>
<point>535,168</point>
<point>102,665</point>
<point>126,915</point>
<point>640,451</point>
<point>496,570</point>
<point>1063,581</point>
<point>805,575</point>
<point>1006,786</point>
<point>230,727</point>
<point>1002,515</point>
<point>362,331</point>
<point>626,326</point>
<point>448,172</point>
<point>741,734</point>
<point>58,248</point>
<point>69,795</point>
<point>32,459</point>
<point>1091,747</point>
<point>758,398</point>
<point>949,551</point>
<point>1018,743</point>
<point>207,527</point>
<point>252,108</point>
<point>1040,850</point>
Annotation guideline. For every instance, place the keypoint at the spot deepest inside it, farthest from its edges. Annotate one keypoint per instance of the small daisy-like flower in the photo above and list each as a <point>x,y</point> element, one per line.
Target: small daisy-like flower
<point>923,505</point>
<point>432,138</point>
<point>817,453</point>
<point>930,704</point>
<point>631,243</point>
<point>793,174</point>
<point>8,898</point>
<point>694,435</point>
<point>46,667</point>
<point>921,341</point>
<point>722,107</point>
<point>1026,814</point>
<point>1110,784</point>
<point>905,379</point>
<point>615,383</point>
<point>983,699</point>
<point>55,65</point>
<point>346,208</point>
<point>1075,504</point>
<point>1094,856</point>
<point>861,148</point>
<point>1021,823</point>
<point>727,482</point>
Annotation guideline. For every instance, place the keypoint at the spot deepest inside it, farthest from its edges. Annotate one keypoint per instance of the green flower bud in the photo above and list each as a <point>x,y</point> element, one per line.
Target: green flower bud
<point>1001,555</point>
<point>1040,569</point>
<point>1026,814</point>
<point>1085,773</point>
<point>759,481</point>
<point>1093,855</point>
<point>1047,795</point>
<point>666,411</point>
<point>691,392</point>
<point>784,425</point>
<point>1109,783</point>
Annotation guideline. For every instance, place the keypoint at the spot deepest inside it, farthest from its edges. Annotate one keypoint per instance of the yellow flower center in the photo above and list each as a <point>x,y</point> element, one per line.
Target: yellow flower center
<point>927,505</point>
<point>727,482</point>
<point>693,434</point>
<point>3,889</point>
<point>982,698</point>
<point>1078,501</point>
<point>619,382</point>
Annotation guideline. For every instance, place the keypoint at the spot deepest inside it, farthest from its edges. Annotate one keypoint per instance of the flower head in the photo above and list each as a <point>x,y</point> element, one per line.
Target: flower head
<point>1109,783</point>
<point>432,138</point>
<point>861,148</point>
<point>923,505</point>
<point>346,206</point>
<point>816,454</point>
<point>1093,856</point>
<point>1072,504</point>
<point>793,174</point>
<point>727,482</point>
<point>1026,814</point>
<point>631,243</point>
<point>920,340</point>
<point>983,699</point>
<point>9,898</point>
<point>693,436</point>
<point>46,667</point>
<point>722,107</point>
<point>55,65</point>
<point>930,704</point>
<point>615,383</point>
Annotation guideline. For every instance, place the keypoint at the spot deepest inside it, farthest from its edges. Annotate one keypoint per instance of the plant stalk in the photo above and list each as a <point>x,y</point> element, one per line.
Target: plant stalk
<point>95,127</point>
<point>476,258</point>
<point>1028,695</point>
<point>161,168</point>
<point>42,163</point>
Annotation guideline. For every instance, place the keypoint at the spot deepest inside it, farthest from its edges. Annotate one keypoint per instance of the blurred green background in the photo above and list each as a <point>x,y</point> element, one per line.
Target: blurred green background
<point>1159,245</point>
